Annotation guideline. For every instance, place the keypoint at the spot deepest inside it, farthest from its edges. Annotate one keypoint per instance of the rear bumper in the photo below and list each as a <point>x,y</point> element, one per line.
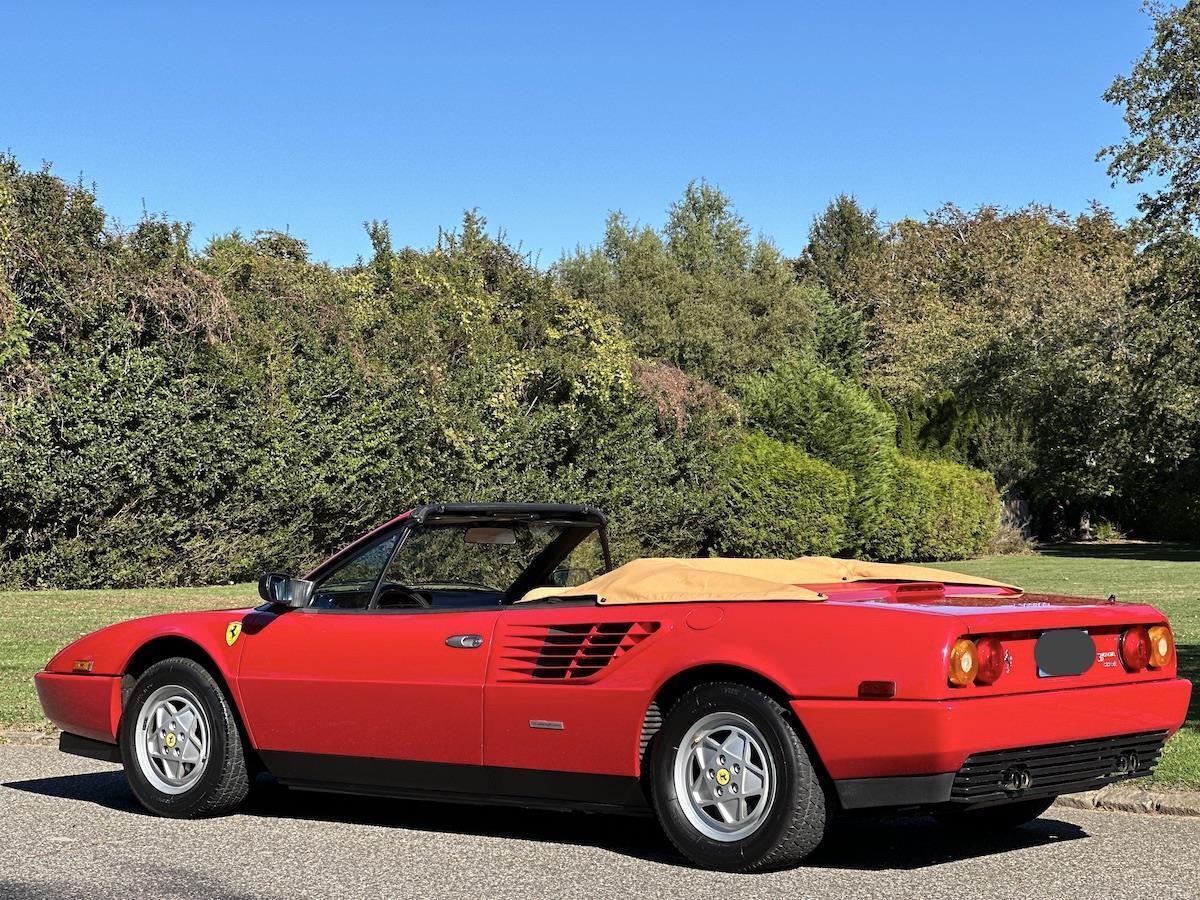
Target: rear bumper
<point>1003,776</point>
<point>84,705</point>
<point>869,740</point>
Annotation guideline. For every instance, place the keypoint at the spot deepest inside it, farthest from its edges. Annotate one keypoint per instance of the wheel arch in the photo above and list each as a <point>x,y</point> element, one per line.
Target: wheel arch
<point>173,645</point>
<point>710,673</point>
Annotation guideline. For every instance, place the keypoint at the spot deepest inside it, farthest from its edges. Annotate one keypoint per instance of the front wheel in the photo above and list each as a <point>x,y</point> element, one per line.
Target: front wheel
<point>732,783</point>
<point>180,743</point>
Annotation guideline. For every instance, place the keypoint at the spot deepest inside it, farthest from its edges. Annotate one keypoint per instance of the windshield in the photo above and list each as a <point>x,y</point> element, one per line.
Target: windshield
<point>462,556</point>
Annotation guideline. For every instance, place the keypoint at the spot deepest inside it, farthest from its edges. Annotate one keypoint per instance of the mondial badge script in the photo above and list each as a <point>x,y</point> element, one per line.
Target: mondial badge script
<point>232,632</point>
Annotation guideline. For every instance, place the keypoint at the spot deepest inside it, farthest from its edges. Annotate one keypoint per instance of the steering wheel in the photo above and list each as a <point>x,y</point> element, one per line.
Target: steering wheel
<point>394,596</point>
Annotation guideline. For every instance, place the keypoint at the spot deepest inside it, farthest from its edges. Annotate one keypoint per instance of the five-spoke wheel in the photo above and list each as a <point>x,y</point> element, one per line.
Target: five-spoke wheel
<point>732,783</point>
<point>173,745</point>
<point>180,742</point>
<point>724,776</point>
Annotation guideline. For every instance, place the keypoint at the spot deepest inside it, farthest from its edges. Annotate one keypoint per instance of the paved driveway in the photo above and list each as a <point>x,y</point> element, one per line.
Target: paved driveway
<point>72,829</point>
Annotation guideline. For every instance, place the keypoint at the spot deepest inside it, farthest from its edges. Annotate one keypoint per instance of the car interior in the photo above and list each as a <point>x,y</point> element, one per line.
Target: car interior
<point>465,561</point>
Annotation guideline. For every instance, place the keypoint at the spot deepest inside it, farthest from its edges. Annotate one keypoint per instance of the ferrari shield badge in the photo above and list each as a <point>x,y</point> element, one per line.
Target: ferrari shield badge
<point>232,632</point>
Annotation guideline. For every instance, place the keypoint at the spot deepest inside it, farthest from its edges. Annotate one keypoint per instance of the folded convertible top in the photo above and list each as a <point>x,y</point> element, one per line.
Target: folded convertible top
<point>717,578</point>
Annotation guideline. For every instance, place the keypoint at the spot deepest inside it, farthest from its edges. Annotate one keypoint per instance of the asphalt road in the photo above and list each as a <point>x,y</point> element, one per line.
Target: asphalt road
<point>72,829</point>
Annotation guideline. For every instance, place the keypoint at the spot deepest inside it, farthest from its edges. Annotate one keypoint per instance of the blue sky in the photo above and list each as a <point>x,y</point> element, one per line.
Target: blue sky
<point>314,118</point>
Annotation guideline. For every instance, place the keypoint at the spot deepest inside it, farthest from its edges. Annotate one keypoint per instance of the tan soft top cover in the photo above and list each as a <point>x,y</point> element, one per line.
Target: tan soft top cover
<point>718,578</point>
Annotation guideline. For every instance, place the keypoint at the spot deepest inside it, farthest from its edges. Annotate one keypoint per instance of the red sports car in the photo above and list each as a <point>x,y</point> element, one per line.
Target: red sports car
<point>492,653</point>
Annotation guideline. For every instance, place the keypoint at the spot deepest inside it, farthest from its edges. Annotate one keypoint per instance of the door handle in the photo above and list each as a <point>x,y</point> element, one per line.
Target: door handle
<point>465,641</point>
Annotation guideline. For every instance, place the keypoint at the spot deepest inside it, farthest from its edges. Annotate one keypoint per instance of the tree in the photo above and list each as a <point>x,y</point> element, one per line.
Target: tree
<point>704,234</point>
<point>1161,99</point>
<point>700,294</point>
<point>844,258</point>
<point>843,253</point>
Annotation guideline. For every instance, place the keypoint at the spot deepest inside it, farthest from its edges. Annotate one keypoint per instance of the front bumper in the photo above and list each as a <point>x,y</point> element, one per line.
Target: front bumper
<point>86,705</point>
<point>892,742</point>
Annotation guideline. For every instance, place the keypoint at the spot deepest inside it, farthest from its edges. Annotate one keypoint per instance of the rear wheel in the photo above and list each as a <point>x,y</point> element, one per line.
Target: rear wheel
<point>180,743</point>
<point>732,783</point>
<point>996,818</point>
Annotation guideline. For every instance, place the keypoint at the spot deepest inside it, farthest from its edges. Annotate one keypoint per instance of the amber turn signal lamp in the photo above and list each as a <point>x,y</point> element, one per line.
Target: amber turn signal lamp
<point>1135,648</point>
<point>82,665</point>
<point>990,653</point>
<point>1162,646</point>
<point>964,662</point>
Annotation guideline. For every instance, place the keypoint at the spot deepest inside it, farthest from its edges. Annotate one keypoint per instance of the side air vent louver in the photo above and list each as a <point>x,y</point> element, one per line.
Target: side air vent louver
<point>569,652</point>
<point>651,725</point>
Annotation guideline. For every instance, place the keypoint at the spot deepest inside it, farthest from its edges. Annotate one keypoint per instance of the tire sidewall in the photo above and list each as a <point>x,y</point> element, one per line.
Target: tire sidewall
<point>764,714</point>
<point>190,675</point>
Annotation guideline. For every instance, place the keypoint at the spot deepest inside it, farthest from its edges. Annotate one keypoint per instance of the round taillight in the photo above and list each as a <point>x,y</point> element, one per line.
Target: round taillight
<point>964,662</point>
<point>990,653</point>
<point>1162,646</point>
<point>1135,648</point>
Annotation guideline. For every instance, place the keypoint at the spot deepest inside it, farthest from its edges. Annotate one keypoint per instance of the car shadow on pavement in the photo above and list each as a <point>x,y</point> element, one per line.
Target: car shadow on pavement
<point>107,789</point>
<point>877,844</point>
<point>863,843</point>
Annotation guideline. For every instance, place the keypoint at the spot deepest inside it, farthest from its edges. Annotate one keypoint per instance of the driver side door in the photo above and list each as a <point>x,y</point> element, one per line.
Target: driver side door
<point>390,684</point>
<point>342,679</point>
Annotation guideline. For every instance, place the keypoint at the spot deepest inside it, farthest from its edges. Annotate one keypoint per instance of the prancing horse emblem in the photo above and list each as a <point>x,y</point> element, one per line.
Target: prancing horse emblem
<point>232,632</point>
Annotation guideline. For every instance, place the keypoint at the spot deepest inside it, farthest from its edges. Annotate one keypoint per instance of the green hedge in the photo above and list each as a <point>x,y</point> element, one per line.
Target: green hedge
<point>781,502</point>
<point>169,417</point>
<point>937,510</point>
<point>801,402</point>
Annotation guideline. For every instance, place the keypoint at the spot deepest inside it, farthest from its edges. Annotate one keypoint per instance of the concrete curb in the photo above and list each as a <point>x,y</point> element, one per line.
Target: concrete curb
<point>1114,797</point>
<point>24,738</point>
<point>1131,798</point>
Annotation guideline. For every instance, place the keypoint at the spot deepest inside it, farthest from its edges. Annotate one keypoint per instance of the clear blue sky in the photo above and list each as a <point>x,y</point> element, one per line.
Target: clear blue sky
<point>546,116</point>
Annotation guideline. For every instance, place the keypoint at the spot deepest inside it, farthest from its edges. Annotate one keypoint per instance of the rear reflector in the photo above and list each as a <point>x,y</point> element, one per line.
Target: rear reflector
<point>877,689</point>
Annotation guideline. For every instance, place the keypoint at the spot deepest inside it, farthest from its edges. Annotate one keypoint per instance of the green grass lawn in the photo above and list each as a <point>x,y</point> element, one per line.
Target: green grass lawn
<point>1165,575</point>
<point>35,624</point>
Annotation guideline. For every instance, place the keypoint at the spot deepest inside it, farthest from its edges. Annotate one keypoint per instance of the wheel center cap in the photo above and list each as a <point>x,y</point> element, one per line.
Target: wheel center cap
<point>722,777</point>
<point>170,740</point>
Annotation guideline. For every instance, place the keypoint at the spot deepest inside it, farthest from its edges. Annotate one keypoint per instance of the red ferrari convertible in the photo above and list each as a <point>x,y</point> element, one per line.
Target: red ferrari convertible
<point>492,653</point>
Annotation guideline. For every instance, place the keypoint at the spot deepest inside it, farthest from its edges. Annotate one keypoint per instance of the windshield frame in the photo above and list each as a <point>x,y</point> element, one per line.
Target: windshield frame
<point>574,531</point>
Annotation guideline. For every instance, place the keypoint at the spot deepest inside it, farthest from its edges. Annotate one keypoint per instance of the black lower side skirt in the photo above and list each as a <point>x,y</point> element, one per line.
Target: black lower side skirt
<point>457,783</point>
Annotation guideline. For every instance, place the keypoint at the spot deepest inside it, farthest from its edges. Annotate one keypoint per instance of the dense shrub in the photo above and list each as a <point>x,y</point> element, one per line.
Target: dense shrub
<point>781,502</point>
<point>802,402</point>
<point>171,417</point>
<point>166,418</point>
<point>938,510</point>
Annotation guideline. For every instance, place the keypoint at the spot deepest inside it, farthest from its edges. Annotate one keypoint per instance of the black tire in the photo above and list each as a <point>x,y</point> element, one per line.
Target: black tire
<point>996,818</point>
<point>224,781</point>
<point>798,816</point>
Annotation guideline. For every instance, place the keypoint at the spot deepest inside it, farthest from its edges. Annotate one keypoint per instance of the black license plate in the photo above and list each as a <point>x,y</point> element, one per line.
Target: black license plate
<point>1064,651</point>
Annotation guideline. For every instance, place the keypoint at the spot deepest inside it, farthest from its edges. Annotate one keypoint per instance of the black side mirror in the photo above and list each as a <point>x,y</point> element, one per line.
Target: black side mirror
<point>276,587</point>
